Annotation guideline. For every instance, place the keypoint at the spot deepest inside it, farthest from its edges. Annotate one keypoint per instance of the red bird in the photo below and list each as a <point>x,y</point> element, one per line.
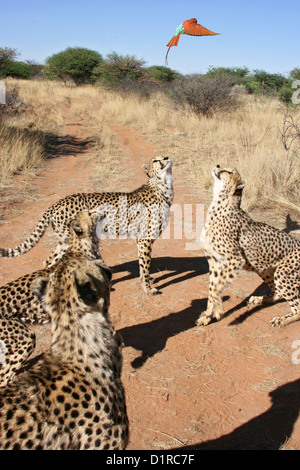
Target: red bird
<point>190,27</point>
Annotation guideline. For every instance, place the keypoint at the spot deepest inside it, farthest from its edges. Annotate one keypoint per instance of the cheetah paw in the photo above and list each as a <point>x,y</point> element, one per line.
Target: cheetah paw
<point>203,320</point>
<point>279,322</point>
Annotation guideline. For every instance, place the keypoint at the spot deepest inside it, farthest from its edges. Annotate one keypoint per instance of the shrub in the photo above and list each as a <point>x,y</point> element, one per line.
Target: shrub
<point>295,74</point>
<point>204,96</point>
<point>161,73</point>
<point>285,94</point>
<point>17,70</point>
<point>235,72</point>
<point>270,82</point>
<point>117,69</point>
<point>73,63</point>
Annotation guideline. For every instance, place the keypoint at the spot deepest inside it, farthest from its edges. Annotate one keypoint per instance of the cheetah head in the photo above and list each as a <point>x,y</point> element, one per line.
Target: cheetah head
<point>227,181</point>
<point>80,283</point>
<point>84,224</point>
<point>159,167</point>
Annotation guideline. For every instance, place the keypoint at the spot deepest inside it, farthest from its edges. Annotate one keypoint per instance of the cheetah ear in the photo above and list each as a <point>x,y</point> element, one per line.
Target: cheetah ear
<point>77,228</point>
<point>241,184</point>
<point>38,287</point>
<point>145,168</point>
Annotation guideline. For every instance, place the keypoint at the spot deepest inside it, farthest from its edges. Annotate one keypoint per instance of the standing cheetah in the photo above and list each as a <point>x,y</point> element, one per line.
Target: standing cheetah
<point>73,397</point>
<point>18,305</point>
<point>141,214</point>
<point>233,241</point>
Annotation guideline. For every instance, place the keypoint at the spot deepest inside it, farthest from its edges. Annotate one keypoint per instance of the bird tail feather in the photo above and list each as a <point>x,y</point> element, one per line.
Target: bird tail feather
<point>174,41</point>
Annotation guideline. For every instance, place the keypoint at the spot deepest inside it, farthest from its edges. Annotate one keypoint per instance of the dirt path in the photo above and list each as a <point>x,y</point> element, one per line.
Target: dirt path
<point>233,384</point>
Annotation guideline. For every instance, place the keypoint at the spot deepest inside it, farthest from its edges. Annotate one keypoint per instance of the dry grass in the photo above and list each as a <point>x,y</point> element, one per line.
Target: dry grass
<point>248,138</point>
<point>46,108</point>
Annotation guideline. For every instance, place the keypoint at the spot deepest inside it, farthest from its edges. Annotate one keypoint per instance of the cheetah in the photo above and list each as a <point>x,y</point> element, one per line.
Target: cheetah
<point>233,241</point>
<point>141,214</point>
<point>19,306</point>
<point>72,398</point>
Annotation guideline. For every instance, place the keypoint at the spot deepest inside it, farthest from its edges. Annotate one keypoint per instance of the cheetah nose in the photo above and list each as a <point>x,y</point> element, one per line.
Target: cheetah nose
<point>218,166</point>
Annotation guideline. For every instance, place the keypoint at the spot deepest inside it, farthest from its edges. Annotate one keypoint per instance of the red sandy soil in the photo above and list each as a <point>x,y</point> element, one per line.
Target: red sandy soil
<point>233,384</point>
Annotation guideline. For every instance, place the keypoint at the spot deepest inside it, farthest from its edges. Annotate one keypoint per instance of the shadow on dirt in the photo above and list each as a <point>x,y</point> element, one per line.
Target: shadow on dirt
<point>172,270</point>
<point>61,146</point>
<point>268,431</point>
<point>151,337</point>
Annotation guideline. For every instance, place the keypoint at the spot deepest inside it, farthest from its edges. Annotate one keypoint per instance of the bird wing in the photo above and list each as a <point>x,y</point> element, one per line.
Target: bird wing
<point>195,29</point>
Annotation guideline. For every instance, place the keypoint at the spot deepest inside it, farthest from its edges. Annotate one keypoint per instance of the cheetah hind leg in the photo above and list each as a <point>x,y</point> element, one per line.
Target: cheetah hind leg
<point>144,253</point>
<point>287,285</point>
<point>258,300</point>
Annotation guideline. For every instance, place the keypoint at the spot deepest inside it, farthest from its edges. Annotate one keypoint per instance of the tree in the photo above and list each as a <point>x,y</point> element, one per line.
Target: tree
<point>295,74</point>
<point>17,70</point>
<point>162,73</point>
<point>235,72</point>
<point>270,81</point>
<point>7,55</point>
<point>118,68</point>
<point>73,63</point>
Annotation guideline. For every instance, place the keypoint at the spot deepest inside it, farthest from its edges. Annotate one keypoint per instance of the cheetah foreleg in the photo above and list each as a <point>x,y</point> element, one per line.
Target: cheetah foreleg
<point>220,276</point>
<point>144,252</point>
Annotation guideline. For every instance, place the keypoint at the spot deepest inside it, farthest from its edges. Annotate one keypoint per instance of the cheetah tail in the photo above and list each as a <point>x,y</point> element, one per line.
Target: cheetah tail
<point>31,241</point>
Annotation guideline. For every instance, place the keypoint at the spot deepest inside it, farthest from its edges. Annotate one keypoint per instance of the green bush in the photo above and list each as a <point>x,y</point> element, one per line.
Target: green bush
<point>17,70</point>
<point>117,69</point>
<point>270,82</point>
<point>162,73</point>
<point>295,74</point>
<point>285,94</point>
<point>76,63</point>
<point>235,72</point>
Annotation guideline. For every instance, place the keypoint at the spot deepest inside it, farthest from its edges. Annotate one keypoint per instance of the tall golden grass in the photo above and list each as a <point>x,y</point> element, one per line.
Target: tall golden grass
<point>248,138</point>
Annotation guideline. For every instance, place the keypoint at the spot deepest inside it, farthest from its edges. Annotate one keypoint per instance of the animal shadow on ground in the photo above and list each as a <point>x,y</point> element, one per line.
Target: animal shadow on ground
<point>172,270</point>
<point>60,146</point>
<point>151,337</point>
<point>268,431</point>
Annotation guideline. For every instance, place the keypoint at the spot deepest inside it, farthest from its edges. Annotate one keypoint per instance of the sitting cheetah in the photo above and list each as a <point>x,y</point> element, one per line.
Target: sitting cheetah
<point>233,241</point>
<point>73,397</point>
<point>141,214</point>
<point>18,305</point>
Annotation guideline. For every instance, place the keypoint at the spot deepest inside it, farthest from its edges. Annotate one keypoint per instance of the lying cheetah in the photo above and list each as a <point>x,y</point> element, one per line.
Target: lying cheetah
<point>141,214</point>
<point>73,397</point>
<point>18,305</point>
<point>233,241</point>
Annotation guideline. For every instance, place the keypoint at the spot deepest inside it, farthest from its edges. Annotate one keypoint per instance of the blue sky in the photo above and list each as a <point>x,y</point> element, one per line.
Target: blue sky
<point>258,34</point>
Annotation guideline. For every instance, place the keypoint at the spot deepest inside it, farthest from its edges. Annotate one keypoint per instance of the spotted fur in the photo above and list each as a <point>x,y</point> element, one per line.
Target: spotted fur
<point>20,307</point>
<point>141,214</point>
<point>73,397</point>
<point>233,241</point>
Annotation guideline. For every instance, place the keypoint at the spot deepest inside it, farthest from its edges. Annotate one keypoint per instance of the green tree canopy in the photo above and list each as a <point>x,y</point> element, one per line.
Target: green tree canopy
<point>162,73</point>
<point>76,63</point>
<point>119,68</point>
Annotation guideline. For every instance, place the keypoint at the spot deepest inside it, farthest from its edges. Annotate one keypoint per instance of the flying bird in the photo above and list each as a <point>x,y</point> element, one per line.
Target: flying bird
<point>190,27</point>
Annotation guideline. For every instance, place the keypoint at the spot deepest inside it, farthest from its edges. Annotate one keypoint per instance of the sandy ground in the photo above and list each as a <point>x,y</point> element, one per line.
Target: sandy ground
<point>231,385</point>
